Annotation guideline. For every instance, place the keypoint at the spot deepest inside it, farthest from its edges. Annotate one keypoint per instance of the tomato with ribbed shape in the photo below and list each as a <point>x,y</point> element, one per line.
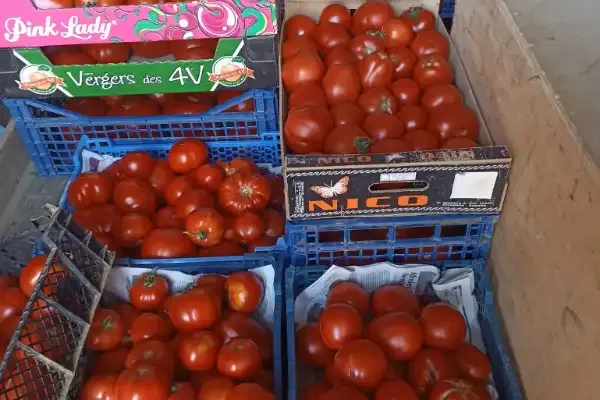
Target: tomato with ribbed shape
<point>341,84</point>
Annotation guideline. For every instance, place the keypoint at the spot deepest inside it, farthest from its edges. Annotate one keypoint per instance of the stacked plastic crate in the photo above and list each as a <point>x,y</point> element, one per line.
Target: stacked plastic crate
<point>137,71</point>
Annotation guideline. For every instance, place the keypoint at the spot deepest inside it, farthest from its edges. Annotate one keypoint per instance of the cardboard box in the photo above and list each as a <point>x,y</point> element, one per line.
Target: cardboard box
<point>27,24</point>
<point>430,182</point>
<point>254,61</point>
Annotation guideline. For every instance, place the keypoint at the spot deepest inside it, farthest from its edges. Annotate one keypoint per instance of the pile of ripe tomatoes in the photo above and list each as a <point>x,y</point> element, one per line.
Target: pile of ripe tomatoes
<point>116,53</point>
<point>183,206</point>
<point>155,104</point>
<point>201,344</point>
<point>371,82</point>
<point>391,347</point>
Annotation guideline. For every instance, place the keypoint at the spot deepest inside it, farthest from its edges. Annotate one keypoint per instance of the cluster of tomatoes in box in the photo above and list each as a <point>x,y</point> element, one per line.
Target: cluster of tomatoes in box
<point>371,82</point>
<point>391,346</point>
<point>180,207</point>
<point>53,4</point>
<point>116,53</point>
<point>155,104</point>
<point>199,344</point>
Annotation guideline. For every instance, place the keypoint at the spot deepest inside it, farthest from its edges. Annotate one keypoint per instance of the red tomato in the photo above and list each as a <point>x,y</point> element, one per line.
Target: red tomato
<point>205,227</point>
<point>8,281</point>
<point>430,42</point>
<point>347,139</point>
<point>108,362</point>
<point>389,146</point>
<point>209,177</point>
<point>149,326</point>
<point>134,106</point>
<point>440,95</point>
<point>378,100</point>
<point>148,291</point>
<point>304,67</point>
<point>414,117</point>
<point>12,302</point>
<point>472,364</point>
<point>195,53</point>
<point>395,389</point>
<point>432,70</point>
<point>131,229</point>
<point>265,241</point>
<point>298,25</point>
<point>453,121</point>
<point>339,324</point>
<point>152,352</point>
<point>179,106</point>
<point>160,176</point>
<point>309,94</point>
<point>350,293</point>
<point>364,45</point>
<point>167,243</point>
<point>277,199</point>
<point>314,391</point>
<point>89,189</point>
<point>193,311</point>
<point>347,113</point>
<point>134,195</point>
<point>187,155</point>
<point>191,201</point>
<point>291,47</point>
<point>420,140</point>
<point>243,192</point>
<point>274,223</point>
<point>311,348</point>
<point>443,326</point>
<point>250,391</point>
<point>361,363</point>
<point>371,16</point>
<point>406,91</point>
<point>179,48</point>
<point>403,61</point>
<point>98,219</point>
<point>99,387</point>
<point>248,227</point>
<point>392,298</point>
<point>198,351</point>
<point>165,218</point>
<point>343,392</point>
<point>223,249</point>
<point>341,84</point>
<point>329,35</point>
<point>182,391</point>
<point>383,126</point>
<point>419,18</point>
<point>112,101</point>
<point>398,334</point>
<point>375,70</point>
<point>216,388</point>
<point>236,165</point>
<point>336,14</point>
<point>30,274</point>
<point>88,106</point>
<point>459,143</point>
<point>244,291</point>
<point>458,389</point>
<point>339,55</point>
<point>143,382</point>
<point>429,366</point>
<point>239,324</point>
<point>176,188</point>
<point>397,32</point>
<point>154,49</point>
<point>307,128</point>
<point>239,359</point>
<point>245,106</point>
<point>72,58</point>
<point>106,331</point>
<point>108,53</point>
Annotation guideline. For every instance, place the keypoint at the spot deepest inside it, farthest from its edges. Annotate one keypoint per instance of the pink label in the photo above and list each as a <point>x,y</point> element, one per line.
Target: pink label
<point>30,27</point>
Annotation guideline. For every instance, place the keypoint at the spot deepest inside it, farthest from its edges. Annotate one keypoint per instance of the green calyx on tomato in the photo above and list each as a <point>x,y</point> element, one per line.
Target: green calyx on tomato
<point>149,280</point>
<point>362,144</point>
<point>386,105</point>
<point>107,323</point>
<point>200,235</point>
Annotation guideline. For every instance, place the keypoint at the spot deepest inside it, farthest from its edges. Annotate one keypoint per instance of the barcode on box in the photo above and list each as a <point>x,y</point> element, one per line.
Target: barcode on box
<point>398,177</point>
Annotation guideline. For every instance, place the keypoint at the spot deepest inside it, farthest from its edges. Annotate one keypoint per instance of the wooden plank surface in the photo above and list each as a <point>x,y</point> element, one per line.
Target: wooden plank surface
<point>545,255</point>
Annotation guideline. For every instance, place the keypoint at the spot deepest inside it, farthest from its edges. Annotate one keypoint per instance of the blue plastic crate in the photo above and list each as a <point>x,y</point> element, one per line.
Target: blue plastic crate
<point>260,152</point>
<point>505,375</point>
<point>226,265</point>
<point>447,8</point>
<point>51,133</point>
<point>401,240</point>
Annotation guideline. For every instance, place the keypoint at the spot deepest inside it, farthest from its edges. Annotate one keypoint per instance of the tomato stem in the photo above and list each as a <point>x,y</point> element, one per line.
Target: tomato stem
<point>245,191</point>
<point>200,235</point>
<point>149,280</point>
<point>361,144</point>
<point>107,323</point>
